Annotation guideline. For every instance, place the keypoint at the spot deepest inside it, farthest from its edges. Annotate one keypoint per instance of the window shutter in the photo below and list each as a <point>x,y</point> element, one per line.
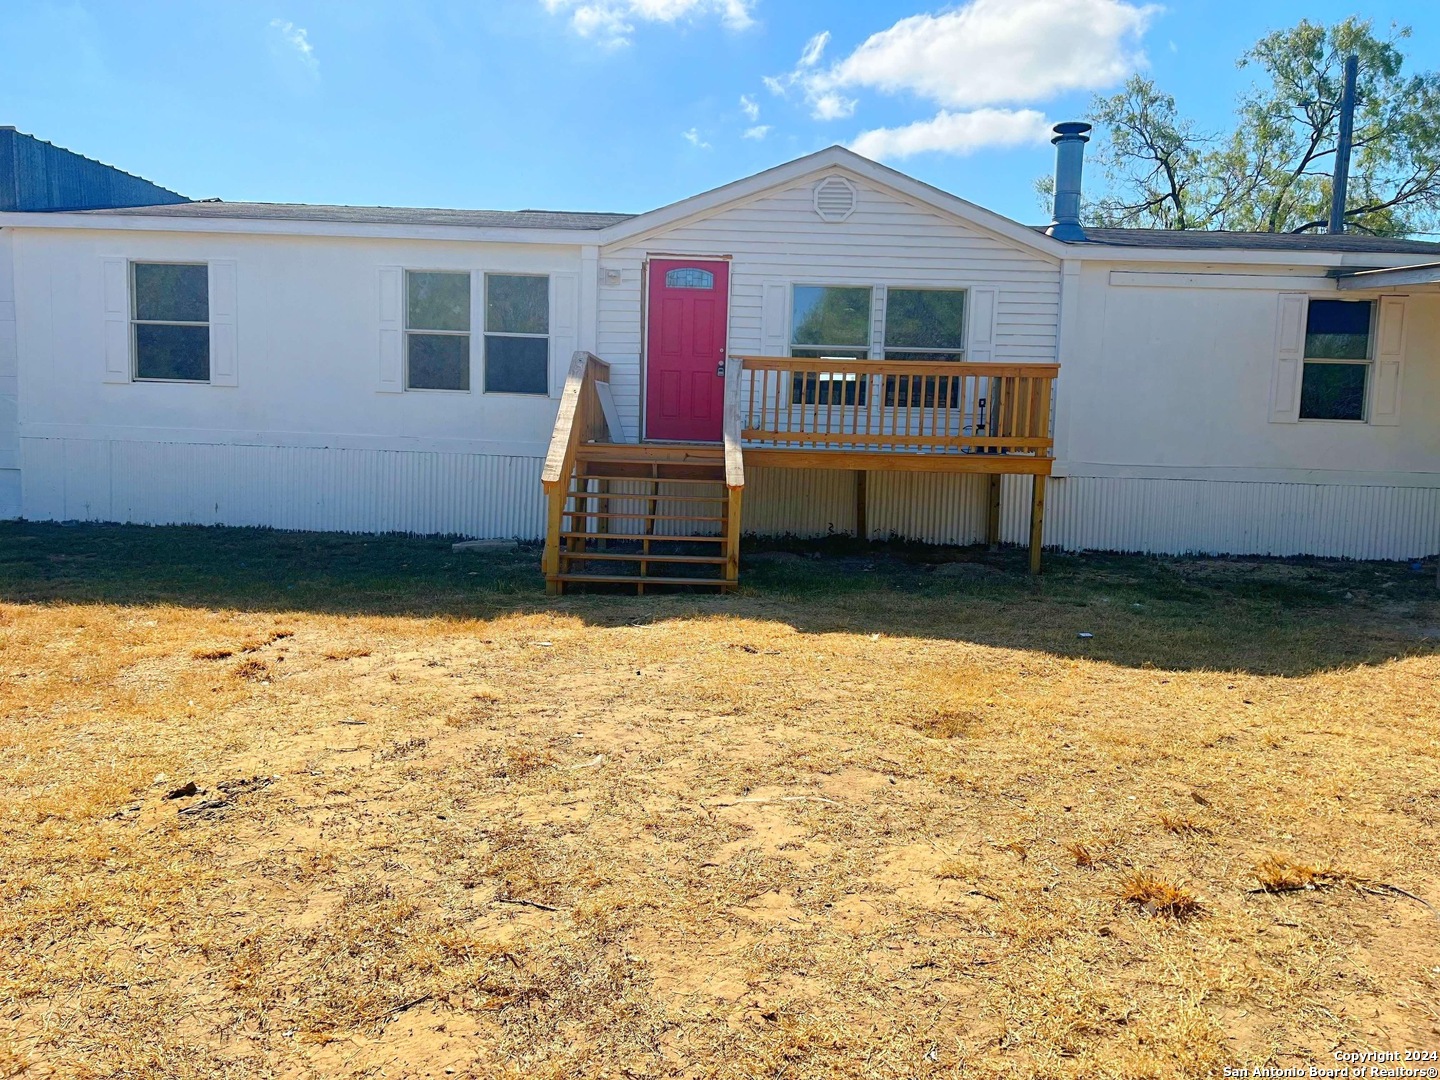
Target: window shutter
<point>774,324</point>
<point>115,275</point>
<point>392,331</point>
<point>1389,355</point>
<point>1289,359</point>
<point>224,337</point>
<point>980,342</point>
<point>564,327</point>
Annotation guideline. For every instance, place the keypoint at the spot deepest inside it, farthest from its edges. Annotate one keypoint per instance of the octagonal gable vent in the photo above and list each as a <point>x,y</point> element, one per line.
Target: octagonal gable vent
<point>834,198</point>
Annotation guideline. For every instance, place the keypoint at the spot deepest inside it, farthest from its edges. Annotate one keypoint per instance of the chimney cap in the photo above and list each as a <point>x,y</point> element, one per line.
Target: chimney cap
<point>1072,129</point>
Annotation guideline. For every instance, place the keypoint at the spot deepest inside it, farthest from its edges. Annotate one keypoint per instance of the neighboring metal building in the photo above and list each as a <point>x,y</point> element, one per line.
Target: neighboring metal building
<point>37,175</point>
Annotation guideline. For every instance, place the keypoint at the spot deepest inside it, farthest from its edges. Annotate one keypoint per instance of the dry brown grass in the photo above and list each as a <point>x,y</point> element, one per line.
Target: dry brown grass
<point>354,652</point>
<point>1183,825</point>
<point>709,837</point>
<point>1280,873</point>
<point>1157,897</point>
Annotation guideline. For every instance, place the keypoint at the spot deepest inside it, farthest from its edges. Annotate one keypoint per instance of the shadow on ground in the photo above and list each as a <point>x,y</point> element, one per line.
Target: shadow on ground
<point>1264,616</point>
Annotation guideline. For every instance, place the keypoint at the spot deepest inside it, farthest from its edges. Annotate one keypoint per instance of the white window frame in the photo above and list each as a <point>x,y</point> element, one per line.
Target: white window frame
<point>486,333</point>
<point>825,377</point>
<point>869,346</point>
<point>136,321</point>
<point>958,355</point>
<point>1368,363</point>
<point>407,330</point>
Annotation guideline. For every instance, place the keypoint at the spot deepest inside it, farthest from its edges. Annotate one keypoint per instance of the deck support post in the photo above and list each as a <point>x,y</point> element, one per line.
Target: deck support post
<point>732,536</point>
<point>862,523</point>
<point>1037,521</point>
<point>551,561</point>
<point>992,512</point>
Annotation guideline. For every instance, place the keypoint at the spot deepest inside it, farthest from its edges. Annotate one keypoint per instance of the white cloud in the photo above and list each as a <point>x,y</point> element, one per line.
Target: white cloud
<point>831,106</point>
<point>814,49</point>
<point>693,138</point>
<point>985,52</point>
<point>611,22</point>
<point>749,107</point>
<point>293,38</point>
<point>955,133</point>
<point>993,51</point>
<point>759,131</point>
<point>825,104</point>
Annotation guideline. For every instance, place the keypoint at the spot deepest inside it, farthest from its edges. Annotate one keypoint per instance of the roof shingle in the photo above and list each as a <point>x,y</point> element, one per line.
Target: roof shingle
<point>1215,239</point>
<point>376,215</point>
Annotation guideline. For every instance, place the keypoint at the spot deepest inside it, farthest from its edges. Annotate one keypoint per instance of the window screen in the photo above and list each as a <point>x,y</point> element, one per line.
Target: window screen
<point>1337,360</point>
<point>517,334</point>
<point>171,321</point>
<point>437,330</point>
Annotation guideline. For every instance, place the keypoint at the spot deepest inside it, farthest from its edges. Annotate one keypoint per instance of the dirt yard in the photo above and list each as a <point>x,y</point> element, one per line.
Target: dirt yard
<point>299,806</point>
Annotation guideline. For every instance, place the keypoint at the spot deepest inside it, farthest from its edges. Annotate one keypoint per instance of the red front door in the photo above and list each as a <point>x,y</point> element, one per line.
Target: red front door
<point>685,353</point>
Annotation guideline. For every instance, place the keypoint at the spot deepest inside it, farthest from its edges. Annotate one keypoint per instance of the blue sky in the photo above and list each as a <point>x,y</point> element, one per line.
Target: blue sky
<point>607,104</point>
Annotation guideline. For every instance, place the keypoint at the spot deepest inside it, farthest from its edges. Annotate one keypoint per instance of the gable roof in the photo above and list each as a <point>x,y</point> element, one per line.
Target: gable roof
<point>216,209</point>
<point>831,158</point>
<point>1217,239</point>
<point>556,226</point>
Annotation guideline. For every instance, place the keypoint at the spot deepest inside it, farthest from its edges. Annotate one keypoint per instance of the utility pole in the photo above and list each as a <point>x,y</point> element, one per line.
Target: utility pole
<point>1343,146</point>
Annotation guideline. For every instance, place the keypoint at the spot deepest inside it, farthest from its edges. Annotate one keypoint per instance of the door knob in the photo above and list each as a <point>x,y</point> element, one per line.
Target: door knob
<point>720,370</point>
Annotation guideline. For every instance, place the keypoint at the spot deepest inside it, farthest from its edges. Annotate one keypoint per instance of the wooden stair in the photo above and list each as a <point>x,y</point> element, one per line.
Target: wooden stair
<point>646,515</point>
<point>638,514</point>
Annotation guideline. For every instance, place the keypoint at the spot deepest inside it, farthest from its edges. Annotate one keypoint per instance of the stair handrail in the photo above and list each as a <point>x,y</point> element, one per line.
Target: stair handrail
<point>732,427</point>
<point>579,419</point>
<point>734,467</point>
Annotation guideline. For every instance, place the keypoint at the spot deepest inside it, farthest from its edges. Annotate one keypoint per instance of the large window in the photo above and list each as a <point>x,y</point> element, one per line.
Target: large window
<point>1337,360</point>
<point>829,322</point>
<point>927,325</point>
<point>437,331</point>
<point>170,321</point>
<point>517,334</point>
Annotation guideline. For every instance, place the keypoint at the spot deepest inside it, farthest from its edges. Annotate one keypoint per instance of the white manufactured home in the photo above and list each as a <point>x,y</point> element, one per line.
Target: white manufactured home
<point>844,347</point>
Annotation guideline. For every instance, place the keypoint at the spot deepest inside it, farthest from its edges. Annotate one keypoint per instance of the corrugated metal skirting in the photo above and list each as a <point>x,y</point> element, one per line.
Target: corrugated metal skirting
<point>283,487</point>
<point>937,508</point>
<point>1180,517</point>
<point>500,496</point>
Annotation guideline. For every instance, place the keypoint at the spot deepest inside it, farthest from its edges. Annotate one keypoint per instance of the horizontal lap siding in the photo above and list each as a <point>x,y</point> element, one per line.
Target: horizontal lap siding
<point>283,487</point>
<point>779,238</point>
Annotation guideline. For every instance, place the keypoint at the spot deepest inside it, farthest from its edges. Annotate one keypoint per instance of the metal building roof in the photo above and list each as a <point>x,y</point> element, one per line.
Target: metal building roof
<point>39,176</point>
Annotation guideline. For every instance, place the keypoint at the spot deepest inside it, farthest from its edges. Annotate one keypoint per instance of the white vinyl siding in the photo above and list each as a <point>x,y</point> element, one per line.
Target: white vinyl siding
<point>777,240</point>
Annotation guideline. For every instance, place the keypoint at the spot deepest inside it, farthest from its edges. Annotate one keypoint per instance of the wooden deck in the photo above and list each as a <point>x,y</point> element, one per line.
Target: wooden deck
<point>670,514</point>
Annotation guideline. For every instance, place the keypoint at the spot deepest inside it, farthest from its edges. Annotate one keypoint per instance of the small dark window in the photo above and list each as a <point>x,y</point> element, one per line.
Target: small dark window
<point>171,321</point>
<point>517,334</point>
<point>437,330</point>
<point>1337,360</point>
<point>689,278</point>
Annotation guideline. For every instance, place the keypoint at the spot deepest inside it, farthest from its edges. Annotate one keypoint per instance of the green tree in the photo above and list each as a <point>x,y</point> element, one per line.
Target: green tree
<point>1272,173</point>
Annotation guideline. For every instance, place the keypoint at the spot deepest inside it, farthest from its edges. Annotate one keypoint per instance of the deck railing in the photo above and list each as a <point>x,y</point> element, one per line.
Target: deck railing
<point>580,419</point>
<point>898,406</point>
